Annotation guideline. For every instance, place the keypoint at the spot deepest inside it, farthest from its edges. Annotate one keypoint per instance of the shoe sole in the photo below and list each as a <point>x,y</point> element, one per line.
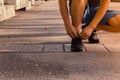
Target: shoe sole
<point>76,50</point>
<point>94,42</point>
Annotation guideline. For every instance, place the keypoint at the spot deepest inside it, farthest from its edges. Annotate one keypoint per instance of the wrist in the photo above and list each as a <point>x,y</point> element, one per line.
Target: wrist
<point>93,26</point>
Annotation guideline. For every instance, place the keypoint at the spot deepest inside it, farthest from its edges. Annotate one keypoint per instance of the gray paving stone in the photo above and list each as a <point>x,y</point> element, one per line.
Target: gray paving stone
<point>97,48</point>
<point>67,47</point>
<point>53,48</point>
<point>0,44</point>
<point>39,39</point>
<point>32,48</point>
<point>113,47</point>
<point>34,22</point>
<point>11,48</point>
<point>30,24</point>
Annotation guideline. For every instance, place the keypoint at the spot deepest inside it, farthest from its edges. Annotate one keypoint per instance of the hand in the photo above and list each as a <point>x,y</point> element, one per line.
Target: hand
<point>86,32</point>
<point>72,32</point>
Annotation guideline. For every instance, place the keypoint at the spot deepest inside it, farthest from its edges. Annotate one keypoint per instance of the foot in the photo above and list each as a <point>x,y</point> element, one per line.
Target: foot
<point>76,45</point>
<point>93,38</point>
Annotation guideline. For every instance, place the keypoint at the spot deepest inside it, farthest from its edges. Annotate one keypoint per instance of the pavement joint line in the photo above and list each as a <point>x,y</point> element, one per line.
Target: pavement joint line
<point>106,48</point>
<point>63,47</point>
<point>57,52</point>
<point>22,48</point>
<point>43,47</point>
<point>85,48</point>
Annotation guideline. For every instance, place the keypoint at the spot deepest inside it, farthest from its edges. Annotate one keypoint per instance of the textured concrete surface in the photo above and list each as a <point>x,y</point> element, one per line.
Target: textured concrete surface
<point>35,46</point>
<point>57,66</point>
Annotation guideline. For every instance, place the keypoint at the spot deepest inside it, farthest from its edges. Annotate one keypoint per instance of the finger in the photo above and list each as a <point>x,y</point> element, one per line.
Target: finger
<point>75,34</point>
<point>84,38</point>
<point>78,34</point>
<point>82,35</point>
<point>72,35</point>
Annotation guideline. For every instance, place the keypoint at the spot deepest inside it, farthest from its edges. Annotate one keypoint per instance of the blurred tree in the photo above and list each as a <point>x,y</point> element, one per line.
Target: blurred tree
<point>116,0</point>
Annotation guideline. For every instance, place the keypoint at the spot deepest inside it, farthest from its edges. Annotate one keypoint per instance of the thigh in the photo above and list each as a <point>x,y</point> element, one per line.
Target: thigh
<point>114,21</point>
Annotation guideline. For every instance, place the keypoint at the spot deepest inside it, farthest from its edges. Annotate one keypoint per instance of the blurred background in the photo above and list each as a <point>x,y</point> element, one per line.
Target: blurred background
<point>116,0</point>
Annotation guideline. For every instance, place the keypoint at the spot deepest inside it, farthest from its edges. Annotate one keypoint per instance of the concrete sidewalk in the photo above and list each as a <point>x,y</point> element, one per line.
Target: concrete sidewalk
<point>34,46</point>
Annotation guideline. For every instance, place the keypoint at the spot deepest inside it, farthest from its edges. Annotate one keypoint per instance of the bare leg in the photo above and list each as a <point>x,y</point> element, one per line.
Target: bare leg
<point>114,25</point>
<point>77,8</point>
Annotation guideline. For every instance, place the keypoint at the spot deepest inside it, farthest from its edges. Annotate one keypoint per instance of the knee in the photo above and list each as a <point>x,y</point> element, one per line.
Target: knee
<point>118,28</point>
<point>115,24</point>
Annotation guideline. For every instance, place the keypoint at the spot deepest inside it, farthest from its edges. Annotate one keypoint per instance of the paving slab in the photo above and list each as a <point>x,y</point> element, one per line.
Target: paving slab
<point>113,48</point>
<point>53,48</point>
<point>11,48</point>
<point>2,43</point>
<point>96,48</point>
<point>108,38</point>
<point>37,40</point>
<point>32,48</point>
